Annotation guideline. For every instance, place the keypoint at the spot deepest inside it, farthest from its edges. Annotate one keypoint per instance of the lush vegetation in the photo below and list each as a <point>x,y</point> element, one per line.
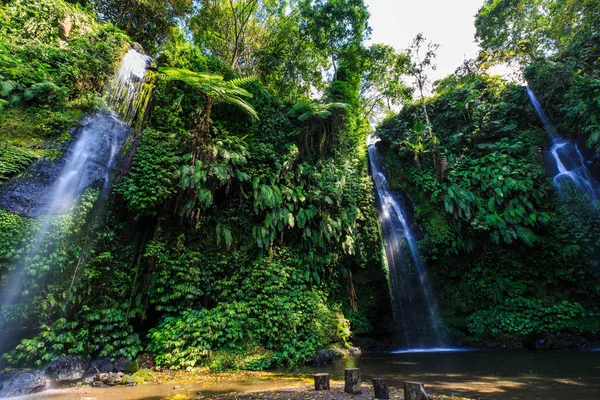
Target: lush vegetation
<point>242,232</point>
<point>510,256</point>
<point>241,229</point>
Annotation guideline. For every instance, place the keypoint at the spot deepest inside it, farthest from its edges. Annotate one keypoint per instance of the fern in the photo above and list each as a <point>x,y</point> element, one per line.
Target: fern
<point>213,86</point>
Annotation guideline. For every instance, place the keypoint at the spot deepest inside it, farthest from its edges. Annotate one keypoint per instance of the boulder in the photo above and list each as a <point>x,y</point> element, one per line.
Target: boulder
<point>537,341</point>
<point>102,365</point>
<point>67,369</point>
<point>20,383</point>
<point>121,365</point>
<point>137,47</point>
<point>108,379</point>
<point>323,356</point>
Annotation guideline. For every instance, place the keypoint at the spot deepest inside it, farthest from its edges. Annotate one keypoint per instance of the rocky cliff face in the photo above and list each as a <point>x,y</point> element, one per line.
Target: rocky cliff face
<point>31,194</point>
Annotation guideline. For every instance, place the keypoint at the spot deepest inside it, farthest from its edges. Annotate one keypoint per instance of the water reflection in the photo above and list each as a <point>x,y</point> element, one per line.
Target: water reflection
<point>486,374</point>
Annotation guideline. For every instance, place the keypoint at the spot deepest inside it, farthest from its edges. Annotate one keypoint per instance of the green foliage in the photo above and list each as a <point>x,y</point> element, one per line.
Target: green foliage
<point>221,166</point>
<point>12,230</point>
<point>142,376</point>
<point>530,29</point>
<point>103,334</point>
<point>271,308</point>
<point>14,160</point>
<point>259,273</point>
<point>213,86</point>
<point>495,233</point>
<point>516,318</point>
<point>149,22</point>
<point>153,174</point>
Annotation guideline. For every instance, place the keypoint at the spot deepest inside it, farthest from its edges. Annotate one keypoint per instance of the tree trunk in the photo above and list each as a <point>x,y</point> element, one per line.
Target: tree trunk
<point>380,387</point>
<point>415,391</point>
<point>322,382</point>
<point>352,381</point>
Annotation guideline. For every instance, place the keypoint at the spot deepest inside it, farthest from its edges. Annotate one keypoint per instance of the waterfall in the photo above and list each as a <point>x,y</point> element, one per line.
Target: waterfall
<point>415,307</point>
<point>541,113</point>
<point>128,93</point>
<point>88,162</point>
<point>568,166</point>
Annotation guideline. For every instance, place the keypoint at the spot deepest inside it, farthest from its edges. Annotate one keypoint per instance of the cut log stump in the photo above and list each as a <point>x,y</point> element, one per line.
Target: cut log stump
<point>415,391</point>
<point>380,387</point>
<point>322,382</point>
<point>352,381</point>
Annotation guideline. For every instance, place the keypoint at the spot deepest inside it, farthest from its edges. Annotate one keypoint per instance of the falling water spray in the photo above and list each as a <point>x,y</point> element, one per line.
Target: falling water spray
<point>415,307</point>
<point>89,163</point>
<point>568,163</point>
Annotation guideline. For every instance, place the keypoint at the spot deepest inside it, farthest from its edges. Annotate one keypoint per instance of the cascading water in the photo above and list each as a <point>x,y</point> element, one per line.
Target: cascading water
<point>415,307</point>
<point>568,166</point>
<point>87,163</point>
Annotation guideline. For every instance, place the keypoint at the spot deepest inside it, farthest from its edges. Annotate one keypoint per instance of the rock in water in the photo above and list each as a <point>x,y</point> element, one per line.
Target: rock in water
<point>415,391</point>
<point>102,365</point>
<point>67,369</point>
<point>20,383</point>
<point>323,356</point>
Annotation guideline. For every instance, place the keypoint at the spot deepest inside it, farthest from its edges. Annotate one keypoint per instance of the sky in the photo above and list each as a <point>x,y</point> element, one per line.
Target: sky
<point>450,23</point>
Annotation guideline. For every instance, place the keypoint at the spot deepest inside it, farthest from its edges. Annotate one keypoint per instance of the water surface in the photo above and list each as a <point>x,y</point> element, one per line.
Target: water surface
<point>486,374</point>
<point>475,374</point>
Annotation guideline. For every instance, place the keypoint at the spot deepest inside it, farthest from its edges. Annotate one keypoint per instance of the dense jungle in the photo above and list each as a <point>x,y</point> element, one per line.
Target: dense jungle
<point>240,229</point>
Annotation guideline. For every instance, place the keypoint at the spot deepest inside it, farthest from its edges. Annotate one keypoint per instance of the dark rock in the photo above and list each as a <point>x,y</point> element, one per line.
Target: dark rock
<point>132,368</point>
<point>121,365</point>
<point>67,369</point>
<point>537,341</point>
<point>137,47</point>
<point>323,357</point>
<point>19,383</point>
<point>102,365</point>
<point>31,194</point>
<point>110,379</point>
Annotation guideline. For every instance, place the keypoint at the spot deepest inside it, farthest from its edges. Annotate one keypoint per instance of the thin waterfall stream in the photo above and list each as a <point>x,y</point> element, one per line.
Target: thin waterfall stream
<point>88,162</point>
<point>568,166</point>
<point>414,304</point>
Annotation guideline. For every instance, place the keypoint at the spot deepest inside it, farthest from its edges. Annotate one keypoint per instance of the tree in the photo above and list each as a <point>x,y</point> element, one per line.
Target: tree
<point>213,89</point>
<point>335,26</point>
<point>533,29</point>
<point>314,116</point>
<point>146,21</point>
<point>382,83</point>
<point>422,55</point>
<point>236,30</point>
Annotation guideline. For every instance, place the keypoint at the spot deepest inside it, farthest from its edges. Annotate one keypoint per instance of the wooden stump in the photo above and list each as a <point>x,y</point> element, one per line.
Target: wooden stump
<point>415,391</point>
<point>322,382</point>
<point>380,387</point>
<point>352,381</point>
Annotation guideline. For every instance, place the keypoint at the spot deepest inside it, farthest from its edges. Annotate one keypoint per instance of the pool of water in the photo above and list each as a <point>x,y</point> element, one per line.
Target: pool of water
<point>475,374</point>
<point>485,374</point>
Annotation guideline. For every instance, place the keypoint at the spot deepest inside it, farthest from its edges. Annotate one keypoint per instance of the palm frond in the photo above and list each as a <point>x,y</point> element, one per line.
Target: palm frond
<point>213,86</point>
